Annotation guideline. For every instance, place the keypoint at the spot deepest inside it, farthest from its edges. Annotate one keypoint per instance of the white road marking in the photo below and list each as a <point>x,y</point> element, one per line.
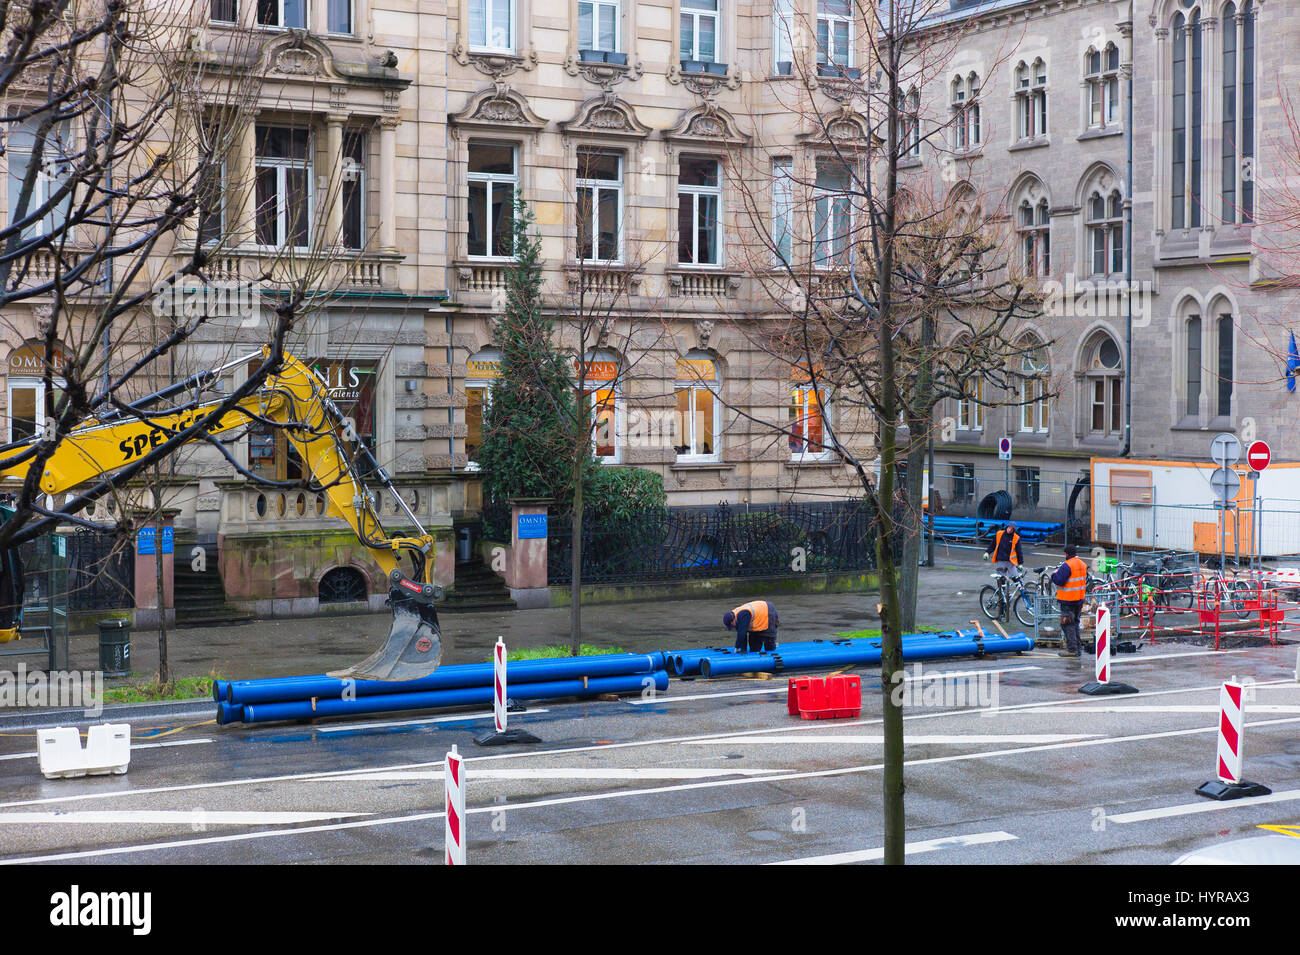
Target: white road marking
<point>563,772</point>
<point>455,718</point>
<point>910,848</point>
<point>1204,805</point>
<point>1126,659</point>
<point>1208,708</point>
<point>956,740</point>
<point>134,746</point>
<point>170,817</point>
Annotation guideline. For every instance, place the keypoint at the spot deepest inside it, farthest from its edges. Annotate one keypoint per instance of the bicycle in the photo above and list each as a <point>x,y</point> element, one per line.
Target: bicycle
<point>1230,594</point>
<point>997,599</point>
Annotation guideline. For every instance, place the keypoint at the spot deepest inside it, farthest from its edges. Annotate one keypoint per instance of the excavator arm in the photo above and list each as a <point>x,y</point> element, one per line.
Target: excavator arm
<point>293,399</point>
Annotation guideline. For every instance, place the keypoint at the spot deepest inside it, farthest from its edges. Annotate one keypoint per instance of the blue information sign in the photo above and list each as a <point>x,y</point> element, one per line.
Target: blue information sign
<point>145,540</point>
<point>532,526</point>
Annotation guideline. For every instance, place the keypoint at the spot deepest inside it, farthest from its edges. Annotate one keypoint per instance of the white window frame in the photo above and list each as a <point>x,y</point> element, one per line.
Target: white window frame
<point>282,168</point>
<point>968,133</point>
<point>1108,231</point>
<point>696,192</point>
<point>279,23</point>
<point>234,18</point>
<point>58,144</point>
<point>1033,394</point>
<point>782,211</point>
<point>1035,237</point>
<point>782,36</point>
<point>491,179</point>
<point>970,411</point>
<point>1103,88</point>
<point>686,428</point>
<point>696,14</point>
<point>596,6</point>
<point>824,54</point>
<point>805,455</point>
<point>491,28</point>
<point>37,384</point>
<point>824,254</point>
<point>615,386</point>
<point>910,134</point>
<point>1031,100</point>
<point>352,18</point>
<point>359,174</point>
<point>596,186</point>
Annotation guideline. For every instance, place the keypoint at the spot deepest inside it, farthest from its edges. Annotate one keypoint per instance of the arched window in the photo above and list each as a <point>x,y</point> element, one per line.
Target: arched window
<point>1185,171</point>
<point>970,407</point>
<point>1101,74</point>
<point>1104,381</point>
<point>1224,347</point>
<point>1034,225</point>
<point>965,111</point>
<point>698,408</point>
<point>1034,372</point>
<point>1031,99</point>
<point>1105,224</point>
<point>1238,33</point>
<point>1192,390</point>
<point>909,134</point>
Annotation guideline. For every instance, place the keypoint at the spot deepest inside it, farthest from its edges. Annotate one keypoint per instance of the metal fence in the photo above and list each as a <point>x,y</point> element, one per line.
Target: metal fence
<point>1241,535</point>
<point>1034,494</point>
<point>44,626</point>
<point>101,571</point>
<point>683,543</point>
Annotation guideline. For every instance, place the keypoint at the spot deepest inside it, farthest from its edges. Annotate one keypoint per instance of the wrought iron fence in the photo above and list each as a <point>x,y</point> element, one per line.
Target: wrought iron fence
<point>101,571</point>
<point>495,516</point>
<point>682,543</point>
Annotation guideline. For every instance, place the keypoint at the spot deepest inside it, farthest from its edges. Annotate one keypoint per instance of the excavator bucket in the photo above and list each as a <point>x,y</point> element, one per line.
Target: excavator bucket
<point>413,648</point>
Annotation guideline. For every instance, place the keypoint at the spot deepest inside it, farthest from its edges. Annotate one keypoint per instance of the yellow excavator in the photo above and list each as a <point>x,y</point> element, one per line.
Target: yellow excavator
<point>294,399</point>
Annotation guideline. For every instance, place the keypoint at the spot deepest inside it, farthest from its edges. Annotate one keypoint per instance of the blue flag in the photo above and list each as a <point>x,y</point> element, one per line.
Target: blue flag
<point>1292,364</point>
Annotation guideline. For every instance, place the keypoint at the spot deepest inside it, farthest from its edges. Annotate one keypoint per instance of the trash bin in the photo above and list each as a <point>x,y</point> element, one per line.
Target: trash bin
<point>463,545</point>
<point>115,647</point>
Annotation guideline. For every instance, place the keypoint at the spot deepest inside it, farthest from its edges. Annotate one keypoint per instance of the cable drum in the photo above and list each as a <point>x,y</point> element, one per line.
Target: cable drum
<point>995,507</point>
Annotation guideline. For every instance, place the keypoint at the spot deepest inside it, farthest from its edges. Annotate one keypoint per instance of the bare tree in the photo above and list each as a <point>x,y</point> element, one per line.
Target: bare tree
<point>890,291</point>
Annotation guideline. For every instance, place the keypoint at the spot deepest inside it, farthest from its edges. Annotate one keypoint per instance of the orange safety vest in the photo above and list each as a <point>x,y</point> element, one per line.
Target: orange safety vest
<point>758,611</point>
<point>1011,554</point>
<point>1077,586</point>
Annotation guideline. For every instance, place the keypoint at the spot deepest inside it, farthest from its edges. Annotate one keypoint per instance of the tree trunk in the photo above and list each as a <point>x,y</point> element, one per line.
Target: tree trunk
<point>891,660</point>
<point>575,585</point>
<point>164,674</point>
<point>910,518</point>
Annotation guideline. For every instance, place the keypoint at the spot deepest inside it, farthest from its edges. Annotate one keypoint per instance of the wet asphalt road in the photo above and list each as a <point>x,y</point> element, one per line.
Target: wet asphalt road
<point>715,771</point>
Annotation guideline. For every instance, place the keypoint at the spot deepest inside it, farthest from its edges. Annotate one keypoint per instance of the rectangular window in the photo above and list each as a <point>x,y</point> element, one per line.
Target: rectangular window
<point>807,429</point>
<point>699,201</point>
<point>835,32</point>
<point>833,214</point>
<point>1027,487</point>
<point>492,184</point>
<point>51,156</point>
<point>1033,408</point>
<point>600,206</point>
<point>696,414</point>
<point>491,25</point>
<point>283,186</point>
<point>1194,365</point>
<point>354,189</point>
<point>700,30</point>
<point>224,11</point>
<point>782,211</point>
<point>476,402</point>
<point>783,37</point>
<point>282,13</point>
<point>970,411</point>
<point>339,16</point>
<point>602,406</point>
<point>598,25</point>
<point>210,185</point>
<point>1225,366</point>
<point>963,483</point>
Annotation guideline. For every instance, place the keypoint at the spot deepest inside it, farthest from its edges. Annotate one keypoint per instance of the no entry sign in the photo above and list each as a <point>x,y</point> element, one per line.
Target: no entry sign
<point>1258,455</point>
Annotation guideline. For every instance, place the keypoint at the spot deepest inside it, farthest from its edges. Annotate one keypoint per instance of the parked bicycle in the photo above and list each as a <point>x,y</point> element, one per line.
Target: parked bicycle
<point>1005,594</point>
<point>1230,593</point>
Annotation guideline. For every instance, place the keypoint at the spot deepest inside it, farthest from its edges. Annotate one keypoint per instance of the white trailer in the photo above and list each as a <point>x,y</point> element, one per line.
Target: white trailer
<point>1169,505</point>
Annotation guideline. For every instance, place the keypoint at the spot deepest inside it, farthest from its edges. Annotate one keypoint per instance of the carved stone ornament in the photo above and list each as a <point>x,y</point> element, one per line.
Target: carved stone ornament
<point>297,61</point>
<point>499,105</point>
<point>703,329</point>
<point>44,316</point>
<point>706,85</point>
<point>604,75</point>
<point>707,122</point>
<point>608,115</point>
<point>495,65</point>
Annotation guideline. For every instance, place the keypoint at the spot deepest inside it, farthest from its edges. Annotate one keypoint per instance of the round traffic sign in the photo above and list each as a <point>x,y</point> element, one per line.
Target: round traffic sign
<point>1005,445</point>
<point>1259,455</point>
<point>1225,449</point>
<point>1226,483</point>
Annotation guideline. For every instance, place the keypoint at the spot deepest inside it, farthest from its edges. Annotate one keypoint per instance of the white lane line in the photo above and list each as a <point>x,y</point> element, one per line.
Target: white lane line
<point>455,718</point>
<point>616,794</point>
<point>1126,659</point>
<point>563,772</point>
<point>134,746</point>
<point>1205,805</point>
<point>1208,708</point>
<point>783,688</point>
<point>957,740</point>
<point>910,848</point>
<point>170,817</point>
<point>291,777</point>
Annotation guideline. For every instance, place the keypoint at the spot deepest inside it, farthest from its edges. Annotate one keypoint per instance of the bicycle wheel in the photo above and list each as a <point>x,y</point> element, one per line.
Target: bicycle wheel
<point>1180,592</point>
<point>1240,591</point>
<point>991,602</point>
<point>1024,607</point>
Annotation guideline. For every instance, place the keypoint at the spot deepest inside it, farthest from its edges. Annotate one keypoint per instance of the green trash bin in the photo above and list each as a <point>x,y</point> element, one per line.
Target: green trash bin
<point>115,647</point>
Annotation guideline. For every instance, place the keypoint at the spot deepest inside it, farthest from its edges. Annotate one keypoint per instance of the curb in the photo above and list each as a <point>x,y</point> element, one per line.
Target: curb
<point>199,707</point>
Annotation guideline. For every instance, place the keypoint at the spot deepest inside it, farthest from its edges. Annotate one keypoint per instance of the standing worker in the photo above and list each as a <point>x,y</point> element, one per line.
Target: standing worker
<point>1071,580</point>
<point>755,624</point>
<point>1005,552</point>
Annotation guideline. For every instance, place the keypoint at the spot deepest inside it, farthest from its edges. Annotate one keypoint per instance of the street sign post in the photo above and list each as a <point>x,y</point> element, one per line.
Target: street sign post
<point>1004,449</point>
<point>1225,449</point>
<point>1226,484</point>
<point>1259,455</point>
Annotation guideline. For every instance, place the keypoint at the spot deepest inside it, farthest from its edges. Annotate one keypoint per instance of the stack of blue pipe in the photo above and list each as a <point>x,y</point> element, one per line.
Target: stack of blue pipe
<point>305,697</point>
<point>814,654</point>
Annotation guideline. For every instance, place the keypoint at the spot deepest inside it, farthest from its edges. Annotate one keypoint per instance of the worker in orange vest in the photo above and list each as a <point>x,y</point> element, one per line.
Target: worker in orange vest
<point>1005,551</point>
<point>755,624</point>
<point>1071,580</point>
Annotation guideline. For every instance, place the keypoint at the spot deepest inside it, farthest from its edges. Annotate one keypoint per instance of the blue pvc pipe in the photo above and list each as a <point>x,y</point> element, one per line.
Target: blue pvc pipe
<point>460,676</point>
<point>463,696</point>
<point>860,653</point>
<point>228,713</point>
<point>688,662</point>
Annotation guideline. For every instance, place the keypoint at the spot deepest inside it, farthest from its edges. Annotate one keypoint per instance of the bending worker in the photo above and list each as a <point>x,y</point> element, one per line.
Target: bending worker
<point>1071,580</point>
<point>1005,551</point>
<point>755,624</point>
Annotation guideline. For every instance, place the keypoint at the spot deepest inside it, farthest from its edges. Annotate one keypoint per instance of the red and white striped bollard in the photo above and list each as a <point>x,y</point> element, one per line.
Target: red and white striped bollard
<point>499,682</point>
<point>1104,685</point>
<point>454,799</point>
<point>1232,729</point>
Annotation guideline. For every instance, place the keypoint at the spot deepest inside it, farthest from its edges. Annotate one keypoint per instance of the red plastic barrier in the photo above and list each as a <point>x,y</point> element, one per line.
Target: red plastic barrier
<point>834,698</point>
